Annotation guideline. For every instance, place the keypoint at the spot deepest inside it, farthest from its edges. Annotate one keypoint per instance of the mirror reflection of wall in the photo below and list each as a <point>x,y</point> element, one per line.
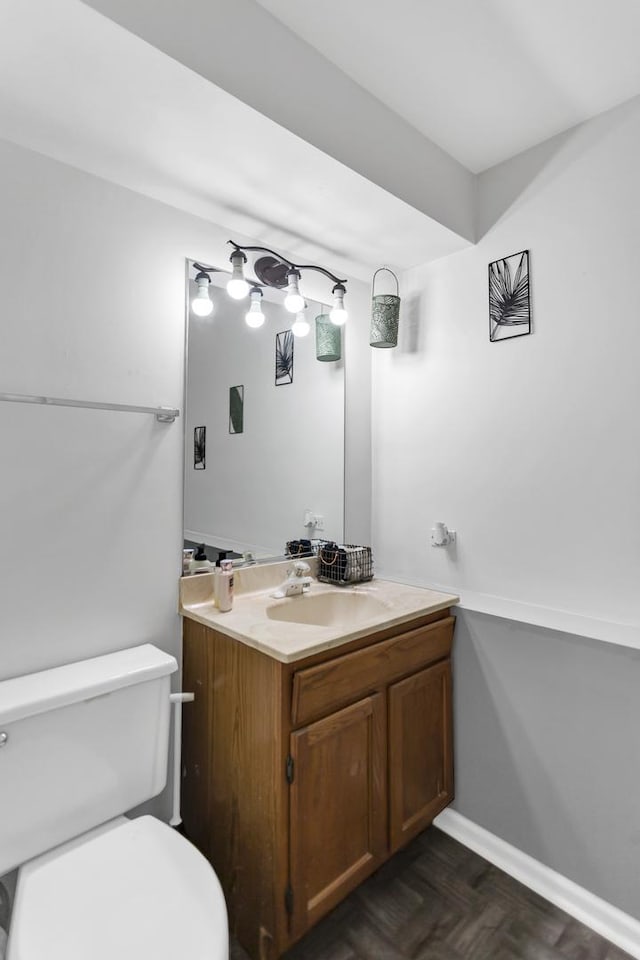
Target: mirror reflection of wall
<point>271,454</point>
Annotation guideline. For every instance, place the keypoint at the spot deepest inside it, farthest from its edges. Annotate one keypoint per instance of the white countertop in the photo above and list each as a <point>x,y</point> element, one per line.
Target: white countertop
<point>288,641</point>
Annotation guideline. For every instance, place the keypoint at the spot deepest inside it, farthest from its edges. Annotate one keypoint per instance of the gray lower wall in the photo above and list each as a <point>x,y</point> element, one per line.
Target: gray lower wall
<point>547,749</point>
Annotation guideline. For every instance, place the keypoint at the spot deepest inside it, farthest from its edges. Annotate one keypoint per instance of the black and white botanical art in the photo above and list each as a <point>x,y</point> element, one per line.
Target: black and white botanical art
<point>509,305</point>
<point>284,357</point>
<point>199,447</point>
<point>236,409</point>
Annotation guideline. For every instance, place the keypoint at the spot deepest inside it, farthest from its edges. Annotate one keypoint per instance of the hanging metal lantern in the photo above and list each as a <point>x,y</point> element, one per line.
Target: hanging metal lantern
<point>385,314</point>
<point>328,339</point>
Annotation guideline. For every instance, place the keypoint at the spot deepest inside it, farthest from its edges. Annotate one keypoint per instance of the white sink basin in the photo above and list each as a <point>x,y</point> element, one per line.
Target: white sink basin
<point>332,608</point>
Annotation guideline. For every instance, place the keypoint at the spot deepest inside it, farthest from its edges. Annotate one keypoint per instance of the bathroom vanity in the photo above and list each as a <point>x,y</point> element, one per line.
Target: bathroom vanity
<point>313,750</point>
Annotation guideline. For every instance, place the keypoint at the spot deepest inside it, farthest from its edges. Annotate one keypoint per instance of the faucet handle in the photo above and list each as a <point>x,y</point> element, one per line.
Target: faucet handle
<point>300,568</point>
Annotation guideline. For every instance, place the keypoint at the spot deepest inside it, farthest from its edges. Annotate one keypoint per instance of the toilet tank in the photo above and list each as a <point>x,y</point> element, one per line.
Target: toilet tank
<point>80,744</point>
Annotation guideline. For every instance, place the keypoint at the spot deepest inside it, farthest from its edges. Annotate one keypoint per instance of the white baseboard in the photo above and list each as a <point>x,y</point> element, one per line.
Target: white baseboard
<point>603,917</point>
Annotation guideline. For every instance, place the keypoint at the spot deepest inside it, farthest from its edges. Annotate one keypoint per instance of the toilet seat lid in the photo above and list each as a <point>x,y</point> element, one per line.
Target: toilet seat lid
<point>129,889</point>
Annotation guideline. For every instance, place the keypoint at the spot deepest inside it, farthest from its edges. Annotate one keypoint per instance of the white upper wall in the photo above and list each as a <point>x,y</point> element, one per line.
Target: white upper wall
<point>92,305</point>
<point>92,299</point>
<point>240,47</point>
<point>528,448</point>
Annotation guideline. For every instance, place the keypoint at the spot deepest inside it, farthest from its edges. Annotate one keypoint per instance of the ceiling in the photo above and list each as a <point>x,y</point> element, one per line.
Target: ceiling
<point>77,87</point>
<point>484,79</point>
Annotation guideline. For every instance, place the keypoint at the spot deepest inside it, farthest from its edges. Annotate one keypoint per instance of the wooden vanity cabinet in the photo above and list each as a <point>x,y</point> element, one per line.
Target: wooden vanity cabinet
<point>338,814</point>
<point>300,779</point>
<point>420,751</point>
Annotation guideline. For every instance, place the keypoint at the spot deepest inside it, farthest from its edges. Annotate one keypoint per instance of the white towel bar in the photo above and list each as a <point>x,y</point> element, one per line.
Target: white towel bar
<point>162,414</point>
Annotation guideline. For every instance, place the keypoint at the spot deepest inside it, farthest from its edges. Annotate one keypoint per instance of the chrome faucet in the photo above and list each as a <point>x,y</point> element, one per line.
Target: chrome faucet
<point>297,581</point>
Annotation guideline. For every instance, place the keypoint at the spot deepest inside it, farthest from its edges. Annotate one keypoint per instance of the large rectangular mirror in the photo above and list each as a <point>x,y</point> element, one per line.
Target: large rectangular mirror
<point>264,430</point>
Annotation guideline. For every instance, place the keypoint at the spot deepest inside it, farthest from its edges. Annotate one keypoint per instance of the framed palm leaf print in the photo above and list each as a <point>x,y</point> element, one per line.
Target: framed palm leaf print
<point>236,409</point>
<point>199,448</point>
<point>509,304</point>
<point>284,357</point>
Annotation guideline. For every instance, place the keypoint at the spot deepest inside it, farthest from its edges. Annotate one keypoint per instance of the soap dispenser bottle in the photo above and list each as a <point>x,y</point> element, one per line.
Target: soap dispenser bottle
<point>224,582</point>
<point>200,563</point>
<point>217,570</point>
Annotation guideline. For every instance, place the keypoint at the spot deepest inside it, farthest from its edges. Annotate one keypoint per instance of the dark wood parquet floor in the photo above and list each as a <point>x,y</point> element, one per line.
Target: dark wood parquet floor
<point>437,900</point>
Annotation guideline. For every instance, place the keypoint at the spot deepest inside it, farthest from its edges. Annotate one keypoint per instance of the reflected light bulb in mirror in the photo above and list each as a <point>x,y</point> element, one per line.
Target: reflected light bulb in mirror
<point>237,287</point>
<point>338,314</point>
<point>294,301</point>
<point>300,326</point>
<point>254,316</point>
<point>202,305</point>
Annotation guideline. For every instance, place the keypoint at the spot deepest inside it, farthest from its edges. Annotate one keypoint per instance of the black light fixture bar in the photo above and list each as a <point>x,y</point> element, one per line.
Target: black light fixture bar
<point>207,270</point>
<point>202,269</point>
<point>289,263</point>
<point>273,270</point>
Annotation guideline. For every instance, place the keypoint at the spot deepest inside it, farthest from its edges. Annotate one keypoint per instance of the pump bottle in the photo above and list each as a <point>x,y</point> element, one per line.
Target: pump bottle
<point>224,582</point>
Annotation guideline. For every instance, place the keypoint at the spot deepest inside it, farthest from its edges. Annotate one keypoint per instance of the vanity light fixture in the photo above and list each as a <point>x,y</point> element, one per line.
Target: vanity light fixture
<point>254,316</point>
<point>274,270</point>
<point>202,304</point>
<point>300,326</point>
<point>237,286</point>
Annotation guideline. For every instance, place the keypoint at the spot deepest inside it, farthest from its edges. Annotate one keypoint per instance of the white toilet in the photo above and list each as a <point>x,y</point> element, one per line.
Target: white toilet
<point>80,745</point>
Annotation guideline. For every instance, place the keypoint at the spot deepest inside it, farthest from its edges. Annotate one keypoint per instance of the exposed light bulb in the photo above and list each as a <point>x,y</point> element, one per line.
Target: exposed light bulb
<point>300,326</point>
<point>338,314</point>
<point>202,304</point>
<point>237,287</point>
<point>254,316</point>
<point>294,301</point>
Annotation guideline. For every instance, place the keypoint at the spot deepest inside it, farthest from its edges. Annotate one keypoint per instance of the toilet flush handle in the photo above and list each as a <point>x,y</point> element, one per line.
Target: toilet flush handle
<point>3,738</point>
<point>177,699</point>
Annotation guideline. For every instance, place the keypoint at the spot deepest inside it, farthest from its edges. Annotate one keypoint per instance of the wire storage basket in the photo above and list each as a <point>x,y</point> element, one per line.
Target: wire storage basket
<point>345,564</point>
<point>304,548</point>
<point>299,548</point>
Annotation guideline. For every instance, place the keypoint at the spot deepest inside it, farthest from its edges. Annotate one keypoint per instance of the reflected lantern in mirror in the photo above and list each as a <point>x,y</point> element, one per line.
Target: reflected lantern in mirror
<point>328,339</point>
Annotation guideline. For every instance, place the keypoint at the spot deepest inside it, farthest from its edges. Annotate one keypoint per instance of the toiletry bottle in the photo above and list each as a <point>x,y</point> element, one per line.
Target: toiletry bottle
<point>222,555</point>
<point>200,564</point>
<point>187,557</point>
<point>225,586</point>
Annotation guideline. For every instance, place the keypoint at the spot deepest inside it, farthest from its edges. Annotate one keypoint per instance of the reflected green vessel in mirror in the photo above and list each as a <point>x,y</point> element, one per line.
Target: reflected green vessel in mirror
<point>328,339</point>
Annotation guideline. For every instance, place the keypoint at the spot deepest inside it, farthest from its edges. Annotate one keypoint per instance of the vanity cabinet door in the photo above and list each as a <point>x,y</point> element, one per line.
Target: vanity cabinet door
<point>420,751</point>
<point>338,823</point>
